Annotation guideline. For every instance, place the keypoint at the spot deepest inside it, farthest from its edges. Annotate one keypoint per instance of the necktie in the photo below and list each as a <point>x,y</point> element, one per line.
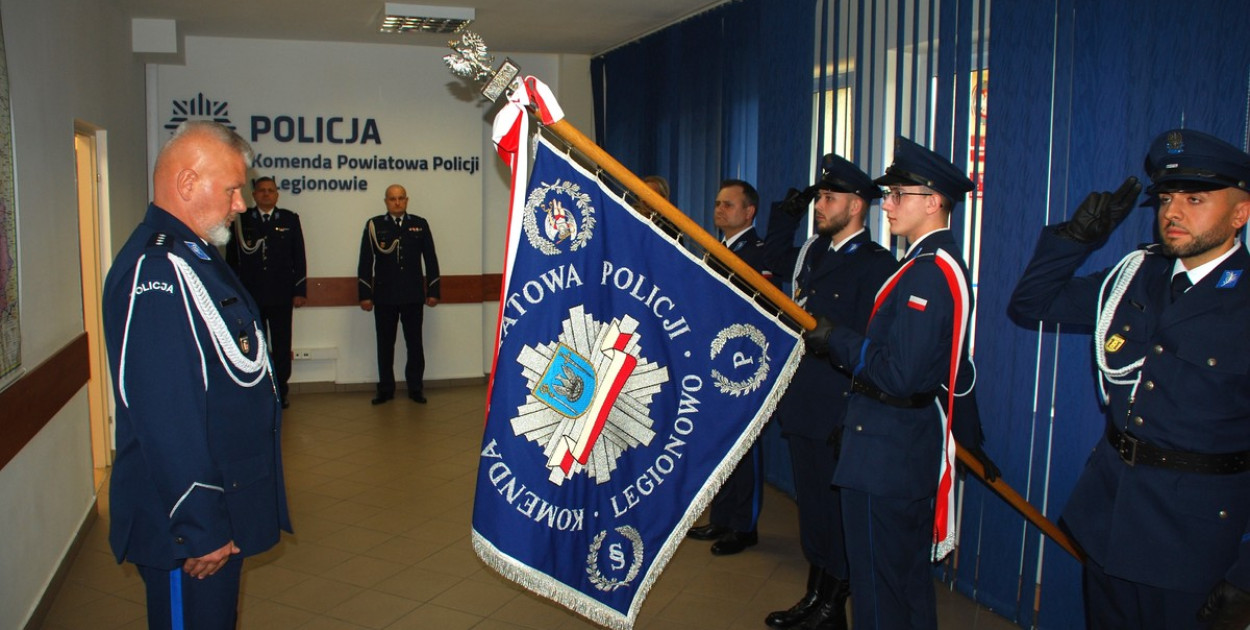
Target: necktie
<point>1180,284</point>
<point>264,218</point>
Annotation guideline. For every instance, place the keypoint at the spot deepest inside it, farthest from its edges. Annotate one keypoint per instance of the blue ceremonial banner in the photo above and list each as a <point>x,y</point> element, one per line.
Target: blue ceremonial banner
<point>628,382</point>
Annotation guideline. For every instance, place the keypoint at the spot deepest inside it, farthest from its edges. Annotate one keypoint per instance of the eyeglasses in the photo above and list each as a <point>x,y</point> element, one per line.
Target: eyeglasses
<point>895,196</point>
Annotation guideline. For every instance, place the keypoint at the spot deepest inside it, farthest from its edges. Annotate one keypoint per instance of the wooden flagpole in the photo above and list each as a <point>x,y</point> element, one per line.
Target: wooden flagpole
<point>472,62</point>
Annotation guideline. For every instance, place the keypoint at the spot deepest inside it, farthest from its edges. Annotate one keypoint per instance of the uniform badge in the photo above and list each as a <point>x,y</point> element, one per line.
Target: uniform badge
<point>917,303</point>
<point>558,217</point>
<point>1229,279</point>
<point>1114,343</point>
<point>1175,143</point>
<point>195,249</point>
<point>850,249</point>
<point>245,343</point>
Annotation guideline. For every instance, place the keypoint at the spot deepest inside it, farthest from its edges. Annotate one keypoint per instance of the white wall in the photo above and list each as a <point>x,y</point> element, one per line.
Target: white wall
<point>420,111</point>
<point>67,60</point>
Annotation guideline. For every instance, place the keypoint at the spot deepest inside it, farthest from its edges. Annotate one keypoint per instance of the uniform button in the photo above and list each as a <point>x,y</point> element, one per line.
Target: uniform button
<point>1158,349</point>
<point>1150,385</point>
<point>1127,328</point>
<point>180,540</point>
<point>837,295</point>
<point>1138,421</point>
<point>846,394</point>
<point>234,484</point>
<point>859,427</point>
<point>1223,513</point>
<point>1211,362</point>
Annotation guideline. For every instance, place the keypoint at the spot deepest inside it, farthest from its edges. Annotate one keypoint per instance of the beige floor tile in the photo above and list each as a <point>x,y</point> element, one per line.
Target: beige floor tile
<point>317,594</point>
<point>365,571</point>
<point>417,584</point>
<point>260,614</point>
<point>430,616</point>
<point>476,598</point>
<point>373,609</point>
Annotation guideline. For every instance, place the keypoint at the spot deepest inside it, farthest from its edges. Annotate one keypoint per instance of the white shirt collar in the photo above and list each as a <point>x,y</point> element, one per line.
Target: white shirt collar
<point>1201,271</point>
<point>838,245</point>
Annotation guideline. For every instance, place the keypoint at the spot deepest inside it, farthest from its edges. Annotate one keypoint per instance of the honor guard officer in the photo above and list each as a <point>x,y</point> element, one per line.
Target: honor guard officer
<point>735,509</point>
<point>267,252</point>
<point>394,286</point>
<point>1162,508</point>
<point>197,482</point>
<point>897,453</point>
<point>835,274</point>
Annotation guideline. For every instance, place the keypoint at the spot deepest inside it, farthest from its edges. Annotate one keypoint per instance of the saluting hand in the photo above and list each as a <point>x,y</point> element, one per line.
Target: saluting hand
<point>1101,213</point>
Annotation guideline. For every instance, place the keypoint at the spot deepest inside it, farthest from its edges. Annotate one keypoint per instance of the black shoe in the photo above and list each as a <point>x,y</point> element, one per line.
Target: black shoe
<point>381,398</point>
<point>707,532</point>
<point>830,615</point>
<point>417,397</point>
<point>285,403</point>
<point>819,588</point>
<point>734,542</point>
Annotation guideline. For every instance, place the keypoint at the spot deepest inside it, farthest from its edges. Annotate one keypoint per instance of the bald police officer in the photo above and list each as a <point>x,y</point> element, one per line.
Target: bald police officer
<point>197,482</point>
<point>1163,506</point>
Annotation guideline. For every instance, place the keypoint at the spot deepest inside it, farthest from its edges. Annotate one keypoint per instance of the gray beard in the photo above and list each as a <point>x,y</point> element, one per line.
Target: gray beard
<point>219,234</point>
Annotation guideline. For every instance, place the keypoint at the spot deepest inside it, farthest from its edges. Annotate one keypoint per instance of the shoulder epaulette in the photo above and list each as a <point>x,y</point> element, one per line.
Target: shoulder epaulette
<point>161,239</point>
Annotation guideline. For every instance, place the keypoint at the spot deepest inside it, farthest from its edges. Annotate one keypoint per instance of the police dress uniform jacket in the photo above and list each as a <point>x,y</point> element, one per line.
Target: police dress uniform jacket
<point>198,461</point>
<point>890,450</point>
<point>269,256</point>
<point>391,256</point>
<point>840,286</point>
<point>1169,528</point>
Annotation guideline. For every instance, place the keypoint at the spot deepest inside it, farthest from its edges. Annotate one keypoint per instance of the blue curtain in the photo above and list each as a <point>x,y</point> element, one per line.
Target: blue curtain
<point>727,93</point>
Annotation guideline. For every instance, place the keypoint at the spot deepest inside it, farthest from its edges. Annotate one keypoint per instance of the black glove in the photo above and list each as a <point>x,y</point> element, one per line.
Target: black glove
<point>817,339</point>
<point>796,201</point>
<point>991,469</point>
<point>1101,213</point>
<point>1227,608</point>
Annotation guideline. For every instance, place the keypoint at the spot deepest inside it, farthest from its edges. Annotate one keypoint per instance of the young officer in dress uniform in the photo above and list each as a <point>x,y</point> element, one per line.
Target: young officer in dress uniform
<point>394,286</point>
<point>736,506</point>
<point>896,454</point>
<point>197,482</point>
<point>1163,506</point>
<point>267,252</point>
<point>835,274</point>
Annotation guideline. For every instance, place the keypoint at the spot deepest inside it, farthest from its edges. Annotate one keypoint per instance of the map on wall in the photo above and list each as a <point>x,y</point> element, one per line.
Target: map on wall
<point>10,329</point>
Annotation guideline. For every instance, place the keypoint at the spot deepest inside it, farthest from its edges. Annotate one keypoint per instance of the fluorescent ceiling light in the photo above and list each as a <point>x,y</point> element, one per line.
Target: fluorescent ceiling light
<point>415,18</point>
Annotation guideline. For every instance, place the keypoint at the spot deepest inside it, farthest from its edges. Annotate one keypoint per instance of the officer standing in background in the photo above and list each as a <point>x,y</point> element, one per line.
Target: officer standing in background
<point>895,444</point>
<point>267,253</point>
<point>835,274</point>
<point>394,286</point>
<point>1163,506</point>
<point>197,482</point>
<point>735,509</point>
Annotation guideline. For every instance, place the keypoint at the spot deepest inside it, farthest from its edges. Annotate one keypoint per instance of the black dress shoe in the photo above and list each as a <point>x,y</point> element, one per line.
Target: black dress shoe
<point>417,397</point>
<point>707,532</point>
<point>381,398</point>
<point>734,542</point>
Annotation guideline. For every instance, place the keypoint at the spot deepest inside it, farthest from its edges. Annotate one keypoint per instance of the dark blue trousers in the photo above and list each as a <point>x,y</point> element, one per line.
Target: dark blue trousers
<point>177,601</point>
<point>820,504</point>
<point>737,504</point>
<point>1112,603</point>
<point>386,319</point>
<point>888,545</point>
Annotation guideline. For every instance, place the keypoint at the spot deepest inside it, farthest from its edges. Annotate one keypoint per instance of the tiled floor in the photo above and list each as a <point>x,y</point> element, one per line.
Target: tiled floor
<point>381,500</point>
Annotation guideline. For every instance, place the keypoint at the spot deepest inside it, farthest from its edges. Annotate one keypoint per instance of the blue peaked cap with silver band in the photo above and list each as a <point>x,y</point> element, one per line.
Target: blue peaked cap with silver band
<point>1192,161</point>
<point>840,175</point>
<point>915,165</point>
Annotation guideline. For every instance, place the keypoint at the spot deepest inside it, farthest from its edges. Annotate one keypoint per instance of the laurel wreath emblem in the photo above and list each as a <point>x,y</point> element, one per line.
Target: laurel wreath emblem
<point>741,388</point>
<point>533,204</point>
<point>592,560</point>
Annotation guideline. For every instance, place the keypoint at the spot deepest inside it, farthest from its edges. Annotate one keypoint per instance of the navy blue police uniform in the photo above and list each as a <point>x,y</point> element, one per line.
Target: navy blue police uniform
<point>839,284</point>
<point>1162,507</point>
<point>735,510</point>
<point>894,447</point>
<point>198,418</point>
<point>391,274</point>
<point>267,253</point>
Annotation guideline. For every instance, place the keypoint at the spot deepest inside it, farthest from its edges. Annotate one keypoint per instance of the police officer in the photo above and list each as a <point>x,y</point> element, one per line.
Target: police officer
<point>395,287</point>
<point>1163,506</point>
<point>896,444</point>
<point>836,273</point>
<point>197,481</point>
<point>735,509</point>
<point>267,252</point>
